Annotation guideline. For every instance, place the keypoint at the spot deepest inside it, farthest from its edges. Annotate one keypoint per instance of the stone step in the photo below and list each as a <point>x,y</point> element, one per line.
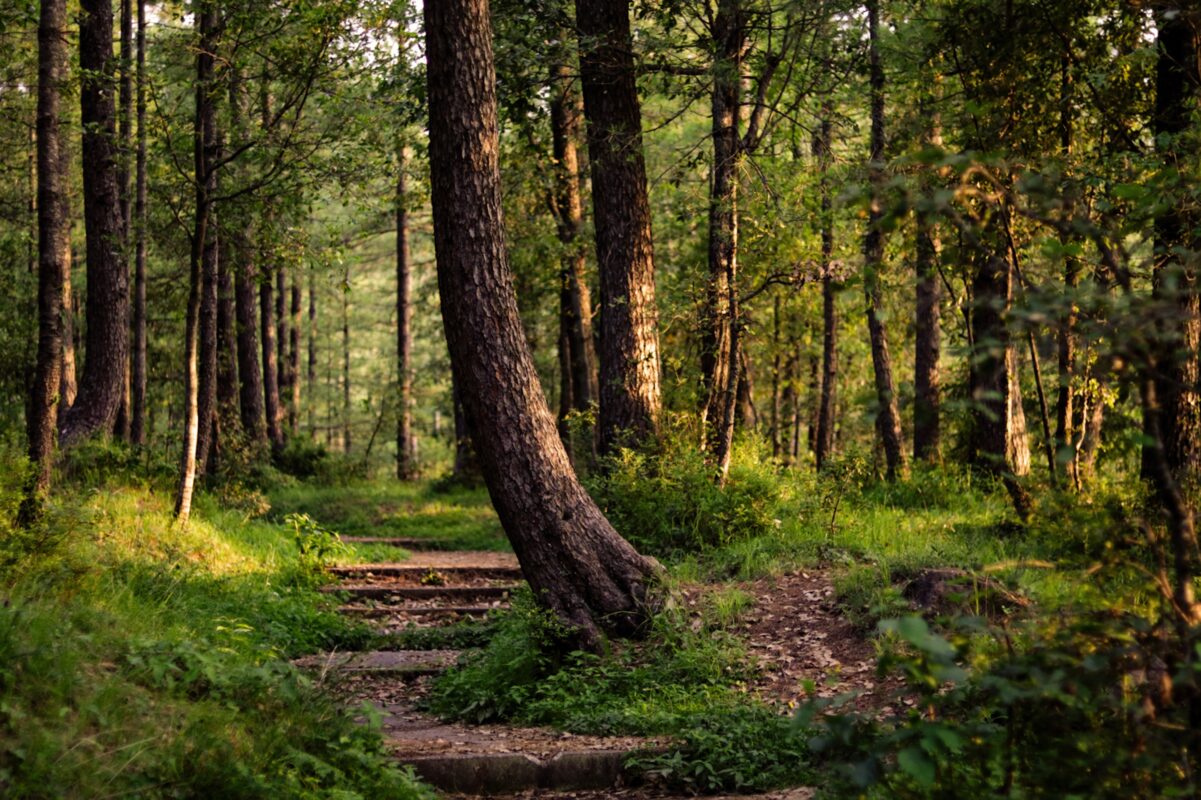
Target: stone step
<point>490,759</point>
<point>418,611</point>
<point>404,663</point>
<point>399,593</point>
<point>418,572</point>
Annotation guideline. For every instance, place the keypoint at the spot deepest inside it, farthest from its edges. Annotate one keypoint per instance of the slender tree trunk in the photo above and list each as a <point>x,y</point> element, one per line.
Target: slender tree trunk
<point>827,403</point>
<point>789,408</point>
<point>68,388</point>
<point>271,407</point>
<point>927,347</point>
<point>888,419</point>
<point>312,367</point>
<point>1066,338</point>
<point>227,338</point>
<point>720,359</point>
<point>406,468</point>
<point>575,304</point>
<point>202,141</point>
<point>1177,246</point>
<point>346,405</point>
<point>250,376</point>
<point>209,344</point>
<point>629,357</point>
<point>123,423</point>
<point>775,380</point>
<point>294,358</point>
<point>138,366</point>
<point>282,361</point>
<point>101,388</point>
<point>54,253</point>
<point>576,564</point>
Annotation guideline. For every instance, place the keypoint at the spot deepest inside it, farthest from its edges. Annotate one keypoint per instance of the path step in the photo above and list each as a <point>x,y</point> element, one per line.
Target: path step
<point>490,759</point>
<point>417,611</point>
<point>381,662</point>
<point>418,572</point>
<point>386,591</point>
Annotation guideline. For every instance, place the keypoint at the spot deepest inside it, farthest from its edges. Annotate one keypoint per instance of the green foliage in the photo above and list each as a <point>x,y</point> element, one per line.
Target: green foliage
<point>681,683</point>
<point>1074,707</point>
<point>668,502</point>
<point>318,546</point>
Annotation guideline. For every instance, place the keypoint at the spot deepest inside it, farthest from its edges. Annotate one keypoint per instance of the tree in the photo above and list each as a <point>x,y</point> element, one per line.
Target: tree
<point>888,419</point>
<point>107,336</point>
<point>137,381</point>
<point>54,252</point>
<point>577,565</point>
<point>629,343</point>
<point>406,466</point>
<point>823,439</point>
<point>202,258</point>
<point>927,345</point>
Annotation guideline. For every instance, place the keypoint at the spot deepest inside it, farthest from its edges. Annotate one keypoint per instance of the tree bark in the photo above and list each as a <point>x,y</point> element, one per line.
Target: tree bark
<point>275,432</point>
<point>200,261</point>
<point>927,347</point>
<point>138,365</point>
<point>576,564</point>
<point>346,405</point>
<point>227,337</point>
<point>1177,247</point>
<point>107,342</point>
<point>888,419</point>
<point>282,362</point>
<point>294,358</point>
<point>69,387</point>
<point>406,467</point>
<point>999,442</point>
<point>629,358</point>
<point>54,253</point>
<point>209,341</point>
<point>1066,335</point>
<point>312,332</point>
<point>123,425</point>
<point>575,304</point>
<point>827,403</point>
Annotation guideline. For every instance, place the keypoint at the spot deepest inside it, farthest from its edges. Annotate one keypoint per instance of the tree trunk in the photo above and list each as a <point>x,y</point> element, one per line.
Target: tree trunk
<point>201,260</point>
<point>312,367</point>
<point>54,253</point>
<point>227,338</point>
<point>575,304</point>
<point>1178,79</point>
<point>576,564</point>
<point>790,407</point>
<point>346,406</point>
<point>69,388</point>
<point>406,468</point>
<point>629,357</point>
<point>927,347</point>
<point>998,423</point>
<point>123,423</point>
<point>827,403</point>
<point>275,432</point>
<point>1066,335</point>
<point>250,376</point>
<point>775,380</point>
<point>720,367</point>
<point>888,419</point>
<point>282,362</point>
<point>107,342</point>
<point>294,358</point>
<point>138,366</point>
<point>209,344</point>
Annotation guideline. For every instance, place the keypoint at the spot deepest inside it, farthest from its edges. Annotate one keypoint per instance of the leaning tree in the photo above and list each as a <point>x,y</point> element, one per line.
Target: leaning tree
<point>576,563</point>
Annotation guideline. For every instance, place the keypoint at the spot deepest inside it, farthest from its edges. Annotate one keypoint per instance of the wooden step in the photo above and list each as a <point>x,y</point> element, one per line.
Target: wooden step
<point>389,591</point>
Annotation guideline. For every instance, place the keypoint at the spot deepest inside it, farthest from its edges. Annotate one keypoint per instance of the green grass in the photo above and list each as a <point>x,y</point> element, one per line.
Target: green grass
<point>139,658</point>
<point>456,518</point>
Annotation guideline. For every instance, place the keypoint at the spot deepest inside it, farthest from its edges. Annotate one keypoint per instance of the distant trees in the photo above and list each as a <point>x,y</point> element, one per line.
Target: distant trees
<point>575,562</point>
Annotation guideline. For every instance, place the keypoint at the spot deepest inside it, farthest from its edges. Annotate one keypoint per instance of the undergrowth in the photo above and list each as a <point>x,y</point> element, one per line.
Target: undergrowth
<point>138,658</point>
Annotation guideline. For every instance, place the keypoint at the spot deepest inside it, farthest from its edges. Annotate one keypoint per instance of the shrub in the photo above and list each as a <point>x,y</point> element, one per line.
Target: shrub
<point>668,502</point>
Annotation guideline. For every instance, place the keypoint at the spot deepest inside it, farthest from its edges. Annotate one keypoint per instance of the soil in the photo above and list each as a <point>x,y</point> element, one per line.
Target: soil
<point>805,647</point>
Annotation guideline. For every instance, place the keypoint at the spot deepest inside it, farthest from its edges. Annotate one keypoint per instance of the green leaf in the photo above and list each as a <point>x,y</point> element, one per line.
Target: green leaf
<point>915,764</point>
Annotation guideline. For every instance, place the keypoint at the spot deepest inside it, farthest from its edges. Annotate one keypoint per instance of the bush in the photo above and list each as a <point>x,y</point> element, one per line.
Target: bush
<point>669,503</point>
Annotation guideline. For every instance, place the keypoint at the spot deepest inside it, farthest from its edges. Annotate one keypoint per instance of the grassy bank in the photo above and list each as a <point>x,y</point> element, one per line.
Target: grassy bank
<point>139,658</point>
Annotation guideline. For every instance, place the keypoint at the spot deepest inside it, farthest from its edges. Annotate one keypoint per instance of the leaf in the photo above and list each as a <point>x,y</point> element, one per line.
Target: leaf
<point>915,764</point>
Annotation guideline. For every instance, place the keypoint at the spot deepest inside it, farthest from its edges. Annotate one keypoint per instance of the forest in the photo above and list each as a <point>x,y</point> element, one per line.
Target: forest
<point>785,399</point>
